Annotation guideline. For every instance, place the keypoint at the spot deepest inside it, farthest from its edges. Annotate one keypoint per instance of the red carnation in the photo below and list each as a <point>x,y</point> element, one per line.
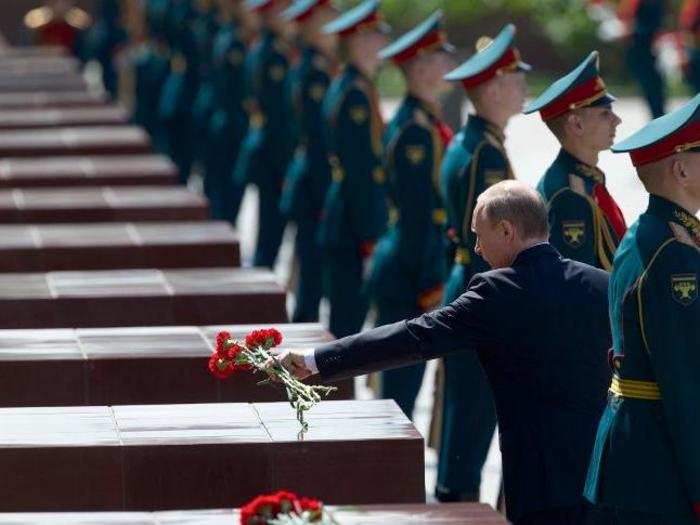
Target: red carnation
<point>219,367</point>
<point>222,343</point>
<point>267,338</point>
<point>287,500</point>
<point>310,504</point>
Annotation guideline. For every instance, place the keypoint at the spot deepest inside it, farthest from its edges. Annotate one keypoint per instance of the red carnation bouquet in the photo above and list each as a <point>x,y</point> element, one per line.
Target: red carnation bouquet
<point>253,355</point>
<point>284,508</point>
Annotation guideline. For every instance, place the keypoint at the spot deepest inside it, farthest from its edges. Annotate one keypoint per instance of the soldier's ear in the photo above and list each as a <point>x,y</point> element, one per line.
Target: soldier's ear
<point>679,170</point>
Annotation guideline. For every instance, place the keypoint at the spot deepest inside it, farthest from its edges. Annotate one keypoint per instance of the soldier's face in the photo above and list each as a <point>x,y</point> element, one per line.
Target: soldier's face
<point>598,126</point>
<point>494,241</point>
<point>513,90</point>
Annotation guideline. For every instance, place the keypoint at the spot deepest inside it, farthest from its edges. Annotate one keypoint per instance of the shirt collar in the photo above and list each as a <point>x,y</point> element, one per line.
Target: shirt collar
<point>670,211</point>
<point>580,168</point>
<point>536,250</point>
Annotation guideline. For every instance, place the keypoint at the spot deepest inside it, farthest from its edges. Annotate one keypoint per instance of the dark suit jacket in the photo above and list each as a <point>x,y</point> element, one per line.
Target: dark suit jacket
<point>542,333</point>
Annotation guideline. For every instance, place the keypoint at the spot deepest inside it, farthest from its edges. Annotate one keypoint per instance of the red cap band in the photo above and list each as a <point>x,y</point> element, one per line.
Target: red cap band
<point>304,15</point>
<point>371,21</point>
<point>509,60</point>
<point>580,96</point>
<point>434,39</point>
<point>679,141</point>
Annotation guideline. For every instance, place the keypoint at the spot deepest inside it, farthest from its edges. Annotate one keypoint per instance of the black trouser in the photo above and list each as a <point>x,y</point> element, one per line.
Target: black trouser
<point>612,516</point>
<point>575,515</point>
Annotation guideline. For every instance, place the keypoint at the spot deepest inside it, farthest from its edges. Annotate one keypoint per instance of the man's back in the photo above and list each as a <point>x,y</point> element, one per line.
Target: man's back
<point>542,333</point>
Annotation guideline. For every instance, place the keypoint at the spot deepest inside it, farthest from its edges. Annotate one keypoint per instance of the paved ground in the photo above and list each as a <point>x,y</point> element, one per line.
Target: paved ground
<point>532,148</point>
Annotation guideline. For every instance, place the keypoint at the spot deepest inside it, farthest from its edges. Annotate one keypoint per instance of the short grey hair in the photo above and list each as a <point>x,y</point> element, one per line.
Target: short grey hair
<point>519,204</point>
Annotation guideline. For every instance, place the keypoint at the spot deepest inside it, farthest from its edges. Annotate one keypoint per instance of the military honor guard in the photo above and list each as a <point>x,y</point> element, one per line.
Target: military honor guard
<point>586,223</point>
<point>267,147</point>
<point>229,121</point>
<point>408,266</point>
<point>180,88</point>
<point>151,69</point>
<point>645,467</point>
<point>308,175</point>
<point>354,213</point>
<point>103,41</point>
<point>476,159</point>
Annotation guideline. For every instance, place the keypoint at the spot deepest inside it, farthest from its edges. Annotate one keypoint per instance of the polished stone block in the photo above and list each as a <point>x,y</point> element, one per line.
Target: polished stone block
<point>101,170</point>
<point>101,204</point>
<point>86,140</point>
<point>107,246</point>
<point>139,365</point>
<point>149,297</point>
<point>166,457</point>
<point>106,115</point>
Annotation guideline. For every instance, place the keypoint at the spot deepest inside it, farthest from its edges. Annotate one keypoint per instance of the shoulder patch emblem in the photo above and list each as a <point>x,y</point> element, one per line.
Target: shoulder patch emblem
<point>492,177</point>
<point>235,57</point>
<point>574,233</point>
<point>415,153</point>
<point>316,92</point>
<point>684,288</point>
<point>359,114</point>
<point>277,72</point>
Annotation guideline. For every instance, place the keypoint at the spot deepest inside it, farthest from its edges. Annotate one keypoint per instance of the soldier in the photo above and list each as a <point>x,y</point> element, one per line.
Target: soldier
<point>476,159</point>
<point>646,461</point>
<point>308,175</point>
<point>408,264</point>
<point>204,29</point>
<point>104,39</point>
<point>180,88</point>
<point>643,19</point>
<point>152,66</point>
<point>58,23</point>
<point>354,213</point>
<point>229,122</point>
<point>586,223</point>
<point>267,147</point>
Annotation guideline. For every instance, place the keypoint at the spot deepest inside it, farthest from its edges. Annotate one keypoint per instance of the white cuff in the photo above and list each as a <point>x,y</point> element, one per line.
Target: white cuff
<point>310,360</point>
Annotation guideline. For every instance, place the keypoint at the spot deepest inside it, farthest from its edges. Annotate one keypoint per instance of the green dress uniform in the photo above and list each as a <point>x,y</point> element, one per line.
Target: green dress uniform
<point>204,29</point>
<point>308,175</point>
<point>355,210</point>
<point>475,160</point>
<point>266,148</point>
<point>227,126</point>
<point>408,265</point>
<point>102,41</point>
<point>646,460</point>
<point>585,222</point>
<point>180,89</point>
<point>644,19</point>
<point>151,69</point>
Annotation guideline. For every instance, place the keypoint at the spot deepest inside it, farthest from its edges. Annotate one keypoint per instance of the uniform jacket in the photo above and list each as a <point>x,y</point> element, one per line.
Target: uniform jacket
<point>354,213</point>
<point>308,176</point>
<point>579,228</point>
<point>647,454</point>
<point>475,160</point>
<point>542,334</point>
<point>409,263</point>
<point>267,146</point>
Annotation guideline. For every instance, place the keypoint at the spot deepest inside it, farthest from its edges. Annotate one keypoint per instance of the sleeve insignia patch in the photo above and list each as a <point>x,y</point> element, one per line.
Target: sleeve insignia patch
<point>684,288</point>
<point>277,72</point>
<point>359,114</point>
<point>492,177</point>
<point>235,57</point>
<point>316,92</point>
<point>378,175</point>
<point>574,233</point>
<point>415,154</point>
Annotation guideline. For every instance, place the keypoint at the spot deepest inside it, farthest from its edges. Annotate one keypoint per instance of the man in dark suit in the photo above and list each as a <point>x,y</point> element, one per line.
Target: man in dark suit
<point>539,325</point>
